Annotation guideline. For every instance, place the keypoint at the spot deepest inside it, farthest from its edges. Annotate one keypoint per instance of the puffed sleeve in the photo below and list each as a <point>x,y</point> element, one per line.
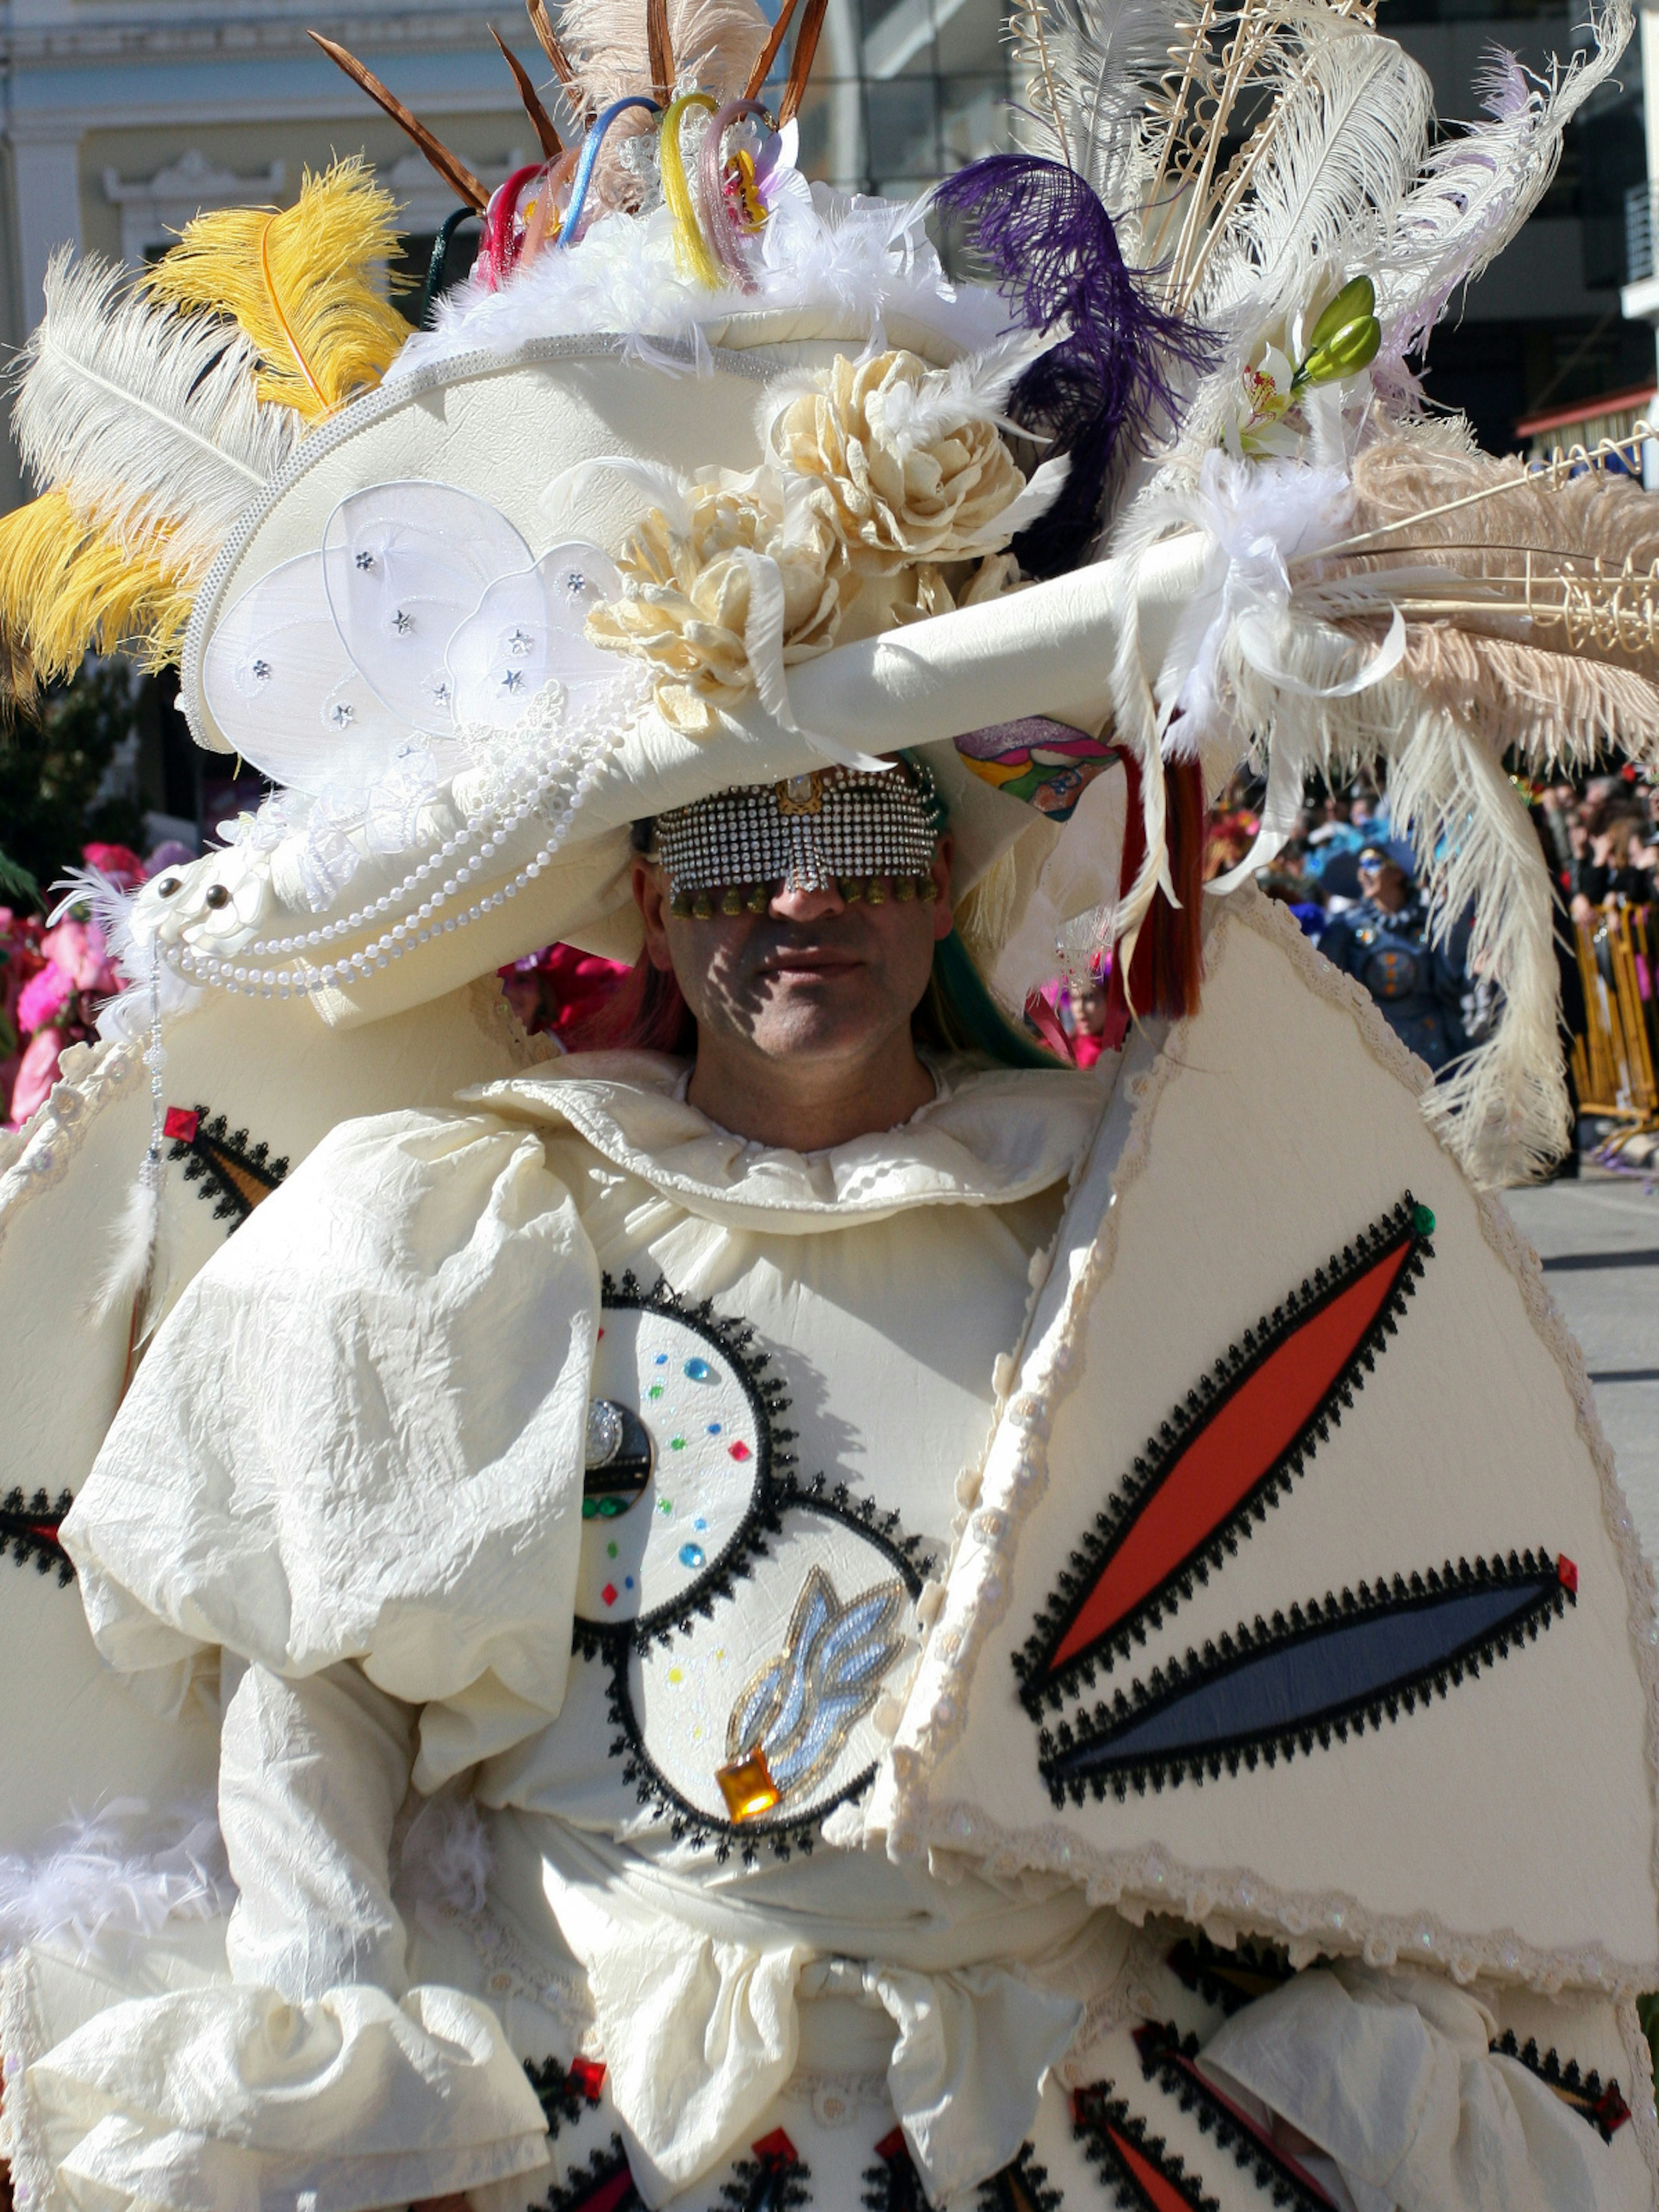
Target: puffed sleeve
<point>317,2076</point>
<point>358,1436</point>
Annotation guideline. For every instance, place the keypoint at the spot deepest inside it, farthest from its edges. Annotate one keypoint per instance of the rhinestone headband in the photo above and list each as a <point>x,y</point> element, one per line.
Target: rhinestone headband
<point>835,826</point>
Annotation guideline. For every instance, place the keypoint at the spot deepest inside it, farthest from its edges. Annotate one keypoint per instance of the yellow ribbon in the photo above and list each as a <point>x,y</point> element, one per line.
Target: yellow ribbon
<point>690,243</point>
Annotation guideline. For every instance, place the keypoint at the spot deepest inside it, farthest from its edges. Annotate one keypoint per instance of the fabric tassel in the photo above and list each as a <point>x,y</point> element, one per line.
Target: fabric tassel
<point>1159,970</point>
<point>1053,250</point>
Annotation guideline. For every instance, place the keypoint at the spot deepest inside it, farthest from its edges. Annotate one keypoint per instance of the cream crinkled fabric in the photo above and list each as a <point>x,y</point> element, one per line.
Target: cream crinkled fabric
<point>1391,2075</point>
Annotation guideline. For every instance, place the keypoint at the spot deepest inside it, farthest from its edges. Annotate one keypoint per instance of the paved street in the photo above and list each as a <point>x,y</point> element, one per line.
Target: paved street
<point>1599,1240</point>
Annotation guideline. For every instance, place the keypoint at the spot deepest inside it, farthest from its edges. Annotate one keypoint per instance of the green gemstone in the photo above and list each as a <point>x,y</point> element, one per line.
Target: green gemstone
<point>664,1505</point>
<point>610,1551</point>
<point>1422,1221</point>
<point>677,1443</point>
<point>655,1391</point>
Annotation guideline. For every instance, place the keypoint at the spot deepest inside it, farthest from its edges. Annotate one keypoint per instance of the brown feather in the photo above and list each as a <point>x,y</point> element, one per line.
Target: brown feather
<point>800,67</point>
<point>768,53</point>
<point>541,121</point>
<point>659,46</point>
<point>454,171</point>
<point>541,24</point>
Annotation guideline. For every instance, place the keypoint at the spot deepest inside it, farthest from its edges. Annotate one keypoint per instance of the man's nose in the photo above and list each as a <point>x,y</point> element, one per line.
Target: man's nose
<point>789,904</point>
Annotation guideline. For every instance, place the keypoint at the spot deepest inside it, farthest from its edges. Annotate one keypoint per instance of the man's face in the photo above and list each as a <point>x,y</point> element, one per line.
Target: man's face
<point>814,976</point>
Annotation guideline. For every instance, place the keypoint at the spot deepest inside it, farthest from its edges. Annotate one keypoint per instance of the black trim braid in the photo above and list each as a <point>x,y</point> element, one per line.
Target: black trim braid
<point>1407,1225</point>
<point>215,1155</point>
<point>894,2185</point>
<point>1230,1979</point>
<point>1101,2121</point>
<point>28,1530</point>
<point>562,2092</point>
<point>1078,1760</point>
<point>767,2185</point>
<point>1022,2187</point>
<point>1167,2057</point>
<point>777,1491</point>
<point>1604,2108</point>
<point>579,2190</point>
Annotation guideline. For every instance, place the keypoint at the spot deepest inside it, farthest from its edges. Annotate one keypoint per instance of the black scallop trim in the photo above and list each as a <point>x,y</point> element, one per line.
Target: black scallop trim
<point>1098,2115</point>
<point>28,1530</point>
<point>583,2183</point>
<point>1221,1977</point>
<point>767,2185</point>
<point>1022,2187</point>
<point>1167,2059</point>
<point>205,1154</point>
<point>561,2093</point>
<point>894,2185</point>
<point>1604,2108</point>
<point>1039,1681</point>
<point>777,1491</point>
<point>1421,1684</point>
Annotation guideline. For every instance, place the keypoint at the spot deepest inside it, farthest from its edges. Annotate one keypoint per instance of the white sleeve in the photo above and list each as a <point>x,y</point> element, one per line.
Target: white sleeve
<point>315,2074</point>
<point>311,1777</point>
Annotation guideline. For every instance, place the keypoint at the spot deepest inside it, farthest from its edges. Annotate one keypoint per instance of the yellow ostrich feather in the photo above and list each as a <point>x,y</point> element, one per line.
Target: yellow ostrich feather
<point>67,587</point>
<point>300,283</point>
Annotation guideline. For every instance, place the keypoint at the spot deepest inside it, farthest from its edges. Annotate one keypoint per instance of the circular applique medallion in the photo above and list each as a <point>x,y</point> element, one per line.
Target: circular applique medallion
<point>758,1721</point>
<point>680,1447</point>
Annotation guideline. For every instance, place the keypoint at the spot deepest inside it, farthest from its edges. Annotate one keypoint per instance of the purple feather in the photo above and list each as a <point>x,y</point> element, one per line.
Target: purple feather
<point>1049,240</point>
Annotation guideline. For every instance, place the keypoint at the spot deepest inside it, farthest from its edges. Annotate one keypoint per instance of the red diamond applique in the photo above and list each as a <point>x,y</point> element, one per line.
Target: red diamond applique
<point>739,1451</point>
<point>1569,1574</point>
<point>609,1593</point>
<point>588,2074</point>
<point>181,1124</point>
<point>776,2149</point>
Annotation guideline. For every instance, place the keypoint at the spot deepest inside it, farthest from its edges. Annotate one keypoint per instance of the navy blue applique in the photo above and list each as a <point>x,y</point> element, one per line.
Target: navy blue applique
<point>1308,1678</point>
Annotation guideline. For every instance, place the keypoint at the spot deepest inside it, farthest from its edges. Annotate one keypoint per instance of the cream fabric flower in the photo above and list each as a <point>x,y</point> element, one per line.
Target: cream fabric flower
<point>898,468</point>
<point>690,600</point>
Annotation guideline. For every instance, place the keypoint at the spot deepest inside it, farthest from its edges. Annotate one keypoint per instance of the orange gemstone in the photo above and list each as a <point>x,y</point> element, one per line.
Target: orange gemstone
<point>747,1786</point>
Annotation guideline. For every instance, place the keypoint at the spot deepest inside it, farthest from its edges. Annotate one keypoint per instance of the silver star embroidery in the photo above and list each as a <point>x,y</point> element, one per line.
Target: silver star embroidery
<point>402,623</point>
<point>519,644</point>
<point>513,680</point>
<point>441,692</point>
<point>342,714</point>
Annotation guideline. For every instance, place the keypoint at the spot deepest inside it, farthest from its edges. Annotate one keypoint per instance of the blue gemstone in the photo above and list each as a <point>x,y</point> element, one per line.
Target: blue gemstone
<point>662,1360</point>
<point>713,1428</point>
<point>690,1555</point>
<point>699,1370</point>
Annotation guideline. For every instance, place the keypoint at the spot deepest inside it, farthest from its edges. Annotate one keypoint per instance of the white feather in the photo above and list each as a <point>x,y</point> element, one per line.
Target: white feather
<point>116,1872</point>
<point>132,1245</point>
<point>1347,135</point>
<point>1101,58</point>
<point>1477,189</point>
<point>146,415</point>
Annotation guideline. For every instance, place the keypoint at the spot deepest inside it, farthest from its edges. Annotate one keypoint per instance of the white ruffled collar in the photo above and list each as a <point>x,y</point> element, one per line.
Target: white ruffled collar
<point>991,1136</point>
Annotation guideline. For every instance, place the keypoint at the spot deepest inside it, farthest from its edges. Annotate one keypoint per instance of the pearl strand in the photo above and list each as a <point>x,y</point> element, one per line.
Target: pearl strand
<point>419,925</point>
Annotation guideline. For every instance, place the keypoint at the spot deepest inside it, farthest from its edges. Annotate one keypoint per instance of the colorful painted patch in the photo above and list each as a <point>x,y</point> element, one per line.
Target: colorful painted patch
<point>1048,764</point>
<point>1308,1678</point>
<point>1246,1431</point>
<point>236,1175</point>
<point>1604,2108</point>
<point>28,1530</point>
<point>1139,2174</point>
<point>1168,2060</point>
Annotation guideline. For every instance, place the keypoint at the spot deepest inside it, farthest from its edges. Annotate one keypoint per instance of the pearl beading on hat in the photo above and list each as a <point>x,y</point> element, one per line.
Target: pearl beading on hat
<point>532,788</point>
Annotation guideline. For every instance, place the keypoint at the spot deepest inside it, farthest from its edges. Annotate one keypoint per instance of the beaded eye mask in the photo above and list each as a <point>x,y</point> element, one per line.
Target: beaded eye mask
<point>837,826</point>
